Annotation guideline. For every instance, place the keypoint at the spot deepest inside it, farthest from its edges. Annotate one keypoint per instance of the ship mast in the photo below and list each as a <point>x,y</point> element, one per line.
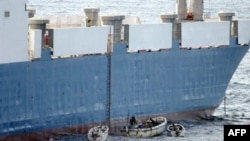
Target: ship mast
<point>194,10</point>
<point>181,9</point>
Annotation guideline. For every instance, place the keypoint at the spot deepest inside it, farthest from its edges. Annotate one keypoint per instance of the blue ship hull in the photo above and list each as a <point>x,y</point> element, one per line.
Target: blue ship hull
<point>50,94</point>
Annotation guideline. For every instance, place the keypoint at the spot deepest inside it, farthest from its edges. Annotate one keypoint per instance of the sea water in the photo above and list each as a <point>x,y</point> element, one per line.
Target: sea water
<point>235,108</point>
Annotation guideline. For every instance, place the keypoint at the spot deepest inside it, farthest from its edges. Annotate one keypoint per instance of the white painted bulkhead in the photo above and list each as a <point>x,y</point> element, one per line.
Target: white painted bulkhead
<point>205,34</point>
<point>14,31</point>
<point>150,36</point>
<point>64,21</point>
<point>81,40</point>
<point>35,37</point>
<point>243,31</point>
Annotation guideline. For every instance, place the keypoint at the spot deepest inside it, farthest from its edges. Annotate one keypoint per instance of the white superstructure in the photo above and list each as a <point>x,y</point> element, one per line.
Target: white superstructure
<point>22,38</point>
<point>13,31</point>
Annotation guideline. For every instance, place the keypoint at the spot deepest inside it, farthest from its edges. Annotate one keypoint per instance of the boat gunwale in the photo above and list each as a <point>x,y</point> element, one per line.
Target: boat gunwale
<point>149,128</point>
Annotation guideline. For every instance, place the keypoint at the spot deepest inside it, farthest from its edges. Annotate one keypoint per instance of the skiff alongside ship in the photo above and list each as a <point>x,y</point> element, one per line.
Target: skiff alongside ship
<point>98,133</point>
<point>69,77</point>
<point>176,130</point>
<point>154,127</point>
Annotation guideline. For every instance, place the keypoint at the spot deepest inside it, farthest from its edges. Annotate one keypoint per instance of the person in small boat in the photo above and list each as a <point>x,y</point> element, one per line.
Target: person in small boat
<point>133,122</point>
<point>154,123</point>
<point>175,128</point>
<point>180,127</point>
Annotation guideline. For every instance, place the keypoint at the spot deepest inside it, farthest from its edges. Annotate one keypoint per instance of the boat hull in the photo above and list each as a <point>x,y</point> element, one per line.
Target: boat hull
<point>115,126</point>
<point>176,130</point>
<point>54,94</point>
<point>146,132</point>
<point>98,133</point>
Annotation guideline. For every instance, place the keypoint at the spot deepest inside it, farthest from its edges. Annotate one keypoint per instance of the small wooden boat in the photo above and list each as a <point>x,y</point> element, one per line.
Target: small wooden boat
<point>150,128</point>
<point>98,133</point>
<point>176,130</point>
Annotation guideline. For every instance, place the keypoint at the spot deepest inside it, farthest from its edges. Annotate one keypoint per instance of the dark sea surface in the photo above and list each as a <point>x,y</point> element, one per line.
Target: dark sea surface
<point>236,107</point>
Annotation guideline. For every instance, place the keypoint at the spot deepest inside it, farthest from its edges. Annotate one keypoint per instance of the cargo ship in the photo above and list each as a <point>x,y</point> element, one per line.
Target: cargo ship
<point>104,69</point>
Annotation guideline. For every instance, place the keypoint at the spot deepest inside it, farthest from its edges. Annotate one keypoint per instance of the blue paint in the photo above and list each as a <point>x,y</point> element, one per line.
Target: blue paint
<point>52,93</point>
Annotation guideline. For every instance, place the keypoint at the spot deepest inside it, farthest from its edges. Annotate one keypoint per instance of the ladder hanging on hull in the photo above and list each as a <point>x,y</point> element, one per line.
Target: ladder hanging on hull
<point>109,89</point>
